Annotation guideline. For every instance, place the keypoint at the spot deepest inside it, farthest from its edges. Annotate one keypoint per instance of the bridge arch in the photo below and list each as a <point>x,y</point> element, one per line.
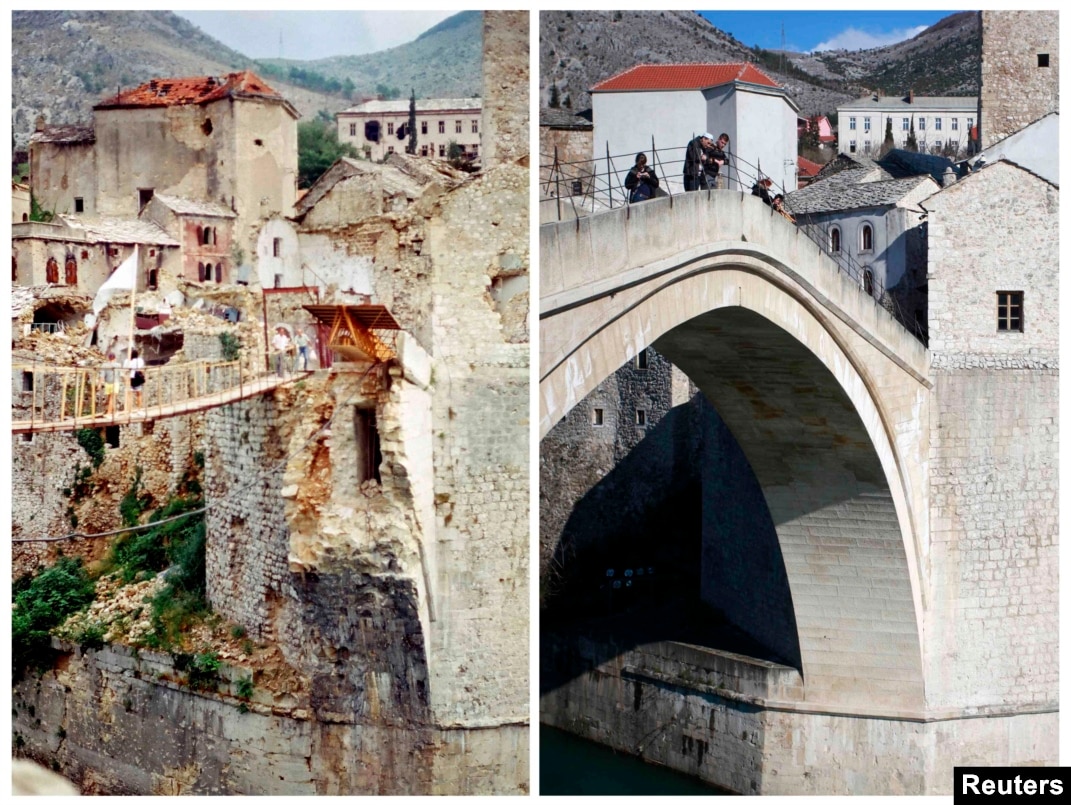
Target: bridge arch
<point>816,383</point>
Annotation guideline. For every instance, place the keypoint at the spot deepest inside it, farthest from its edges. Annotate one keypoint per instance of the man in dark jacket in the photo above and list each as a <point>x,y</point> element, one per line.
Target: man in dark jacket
<point>695,157</point>
<point>716,159</point>
<point>641,181</point>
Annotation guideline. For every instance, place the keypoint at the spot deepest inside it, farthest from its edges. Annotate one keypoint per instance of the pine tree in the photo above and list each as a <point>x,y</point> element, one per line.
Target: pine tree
<point>912,143</point>
<point>411,148</point>
<point>554,101</point>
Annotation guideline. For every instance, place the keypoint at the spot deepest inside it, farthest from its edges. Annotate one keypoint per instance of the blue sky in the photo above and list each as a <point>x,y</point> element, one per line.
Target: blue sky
<point>313,35</point>
<point>806,31</point>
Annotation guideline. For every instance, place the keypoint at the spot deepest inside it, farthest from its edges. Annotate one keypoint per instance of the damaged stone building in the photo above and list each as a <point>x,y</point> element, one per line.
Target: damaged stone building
<point>367,526</point>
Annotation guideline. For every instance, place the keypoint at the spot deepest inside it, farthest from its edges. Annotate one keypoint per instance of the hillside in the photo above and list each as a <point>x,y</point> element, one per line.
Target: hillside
<point>63,62</point>
<point>580,48</point>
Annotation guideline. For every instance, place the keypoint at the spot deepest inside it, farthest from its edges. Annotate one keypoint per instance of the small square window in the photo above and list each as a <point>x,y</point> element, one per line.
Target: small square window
<point>596,417</point>
<point>641,418</point>
<point>1043,60</point>
<point>79,204</point>
<point>423,127</point>
<point>27,437</point>
<point>1010,311</point>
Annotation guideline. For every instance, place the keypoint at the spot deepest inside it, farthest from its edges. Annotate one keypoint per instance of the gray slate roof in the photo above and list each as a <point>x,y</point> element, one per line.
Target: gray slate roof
<point>120,230</point>
<point>188,206</point>
<point>850,190</point>
<point>72,133</point>
<point>901,163</point>
<point>565,119</point>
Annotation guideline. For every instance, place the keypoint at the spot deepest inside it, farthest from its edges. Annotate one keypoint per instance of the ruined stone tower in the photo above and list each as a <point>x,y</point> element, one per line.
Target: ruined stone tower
<point>1020,80</point>
<point>505,80</point>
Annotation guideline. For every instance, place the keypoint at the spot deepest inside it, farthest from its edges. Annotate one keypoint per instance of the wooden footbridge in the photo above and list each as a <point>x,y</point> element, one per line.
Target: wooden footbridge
<point>47,399</point>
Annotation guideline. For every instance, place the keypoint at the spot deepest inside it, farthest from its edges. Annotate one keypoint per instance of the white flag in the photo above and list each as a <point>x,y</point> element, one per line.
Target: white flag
<point>123,278</point>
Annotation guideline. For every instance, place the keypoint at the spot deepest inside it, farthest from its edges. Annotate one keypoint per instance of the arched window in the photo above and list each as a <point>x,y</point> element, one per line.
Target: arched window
<point>219,272</point>
<point>70,270</point>
<point>52,271</point>
<point>152,279</point>
<point>868,281</point>
<point>200,235</point>
<point>208,235</point>
<point>834,239</point>
<point>200,272</point>
<point>867,244</point>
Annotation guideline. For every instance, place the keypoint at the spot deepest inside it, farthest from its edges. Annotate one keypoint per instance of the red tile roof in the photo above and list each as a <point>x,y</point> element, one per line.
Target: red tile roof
<point>807,168</point>
<point>683,76</point>
<point>196,90</point>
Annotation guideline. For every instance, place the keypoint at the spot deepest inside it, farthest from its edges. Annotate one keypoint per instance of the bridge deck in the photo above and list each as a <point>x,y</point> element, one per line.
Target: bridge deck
<point>151,412</point>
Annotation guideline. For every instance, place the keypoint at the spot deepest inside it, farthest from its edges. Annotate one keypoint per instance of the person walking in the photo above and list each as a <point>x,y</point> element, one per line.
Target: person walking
<point>136,365</point>
<point>109,375</point>
<point>280,343</point>
<point>301,341</point>
<point>641,181</point>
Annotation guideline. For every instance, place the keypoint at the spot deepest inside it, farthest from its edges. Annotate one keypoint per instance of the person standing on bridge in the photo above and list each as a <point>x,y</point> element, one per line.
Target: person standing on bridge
<point>716,160</point>
<point>109,374</point>
<point>301,341</point>
<point>761,188</point>
<point>695,156</point>
<point>641,181</point>
<point>280,342</point>
<point>137,377</point>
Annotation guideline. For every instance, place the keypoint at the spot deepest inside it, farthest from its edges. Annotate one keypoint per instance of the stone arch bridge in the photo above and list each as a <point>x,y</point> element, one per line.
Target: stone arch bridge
<point>829,398</point>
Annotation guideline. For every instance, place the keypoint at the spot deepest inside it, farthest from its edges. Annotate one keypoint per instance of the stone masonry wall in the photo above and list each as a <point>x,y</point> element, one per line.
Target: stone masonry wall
<point>119,722</point>
<point>1016,91</point>
<point>246,552</point>
<point>505,86</point>
<point>480,417</point>
<point>992,623</point>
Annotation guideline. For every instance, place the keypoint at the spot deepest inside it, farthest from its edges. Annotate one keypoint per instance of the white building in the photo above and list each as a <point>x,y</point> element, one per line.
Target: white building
<point>378,128</point>
<point>940,122</point>
<point>672,103</point>
<point>867,218</point>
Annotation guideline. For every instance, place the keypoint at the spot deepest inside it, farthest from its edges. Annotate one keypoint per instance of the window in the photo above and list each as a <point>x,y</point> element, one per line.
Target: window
<point>258,141</point>
<point>866,146</point>
<point>219,273</point>
<point>27,381</point>
<point>922,124</point>
<point>442,151</point>
<point>442,127</point>
<point>641,418</point>
<point>111,435</point>
<point>955,124</point>
<point>596,417</point>
<point>144,197</point>
<point>475,127</point>
<point>390,128</point>
<point>79,204</point>
<point>423,127</point>
<point>1010,311</point>
<point>276,247</point>
<point>937,144</point>
<point>641,359</point>
<point>390,149</point>
<point>834,240</point>
<point>206,127</point>
<point>851,146</point>
<point>867,239</point>
<point>278,281</point>
<point>52,271</point>
<point>423,150</point>
<point>1043,60</point>
<point>905,126</point>
<point>366,442</point>
<point>371,131</point>
<point>150,283</point>
<point>457,127</point>
<point>954,145</point>
<point>353,129</point>
<point>70,270</point>
<point>200,272</point>
<point>866,124</point>
<point>937,124</point>
<point>851,123</point>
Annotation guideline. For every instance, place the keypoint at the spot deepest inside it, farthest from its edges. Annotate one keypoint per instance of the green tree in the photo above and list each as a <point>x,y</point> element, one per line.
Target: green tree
<point>887,144</point>
<point>555,100</point>
<point>411,148</point>
<point>912,143</point>
<point>318,150</point>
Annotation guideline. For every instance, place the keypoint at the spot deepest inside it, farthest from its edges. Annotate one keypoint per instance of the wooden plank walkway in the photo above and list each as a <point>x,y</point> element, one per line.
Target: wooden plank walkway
<point>245,389</point>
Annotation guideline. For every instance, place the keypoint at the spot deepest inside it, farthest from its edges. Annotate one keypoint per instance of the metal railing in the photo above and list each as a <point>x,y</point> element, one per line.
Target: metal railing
<point>586,187</point>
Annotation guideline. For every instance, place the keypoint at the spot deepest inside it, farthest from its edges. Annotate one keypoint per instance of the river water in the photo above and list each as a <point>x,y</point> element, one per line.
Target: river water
<point>572,765</point>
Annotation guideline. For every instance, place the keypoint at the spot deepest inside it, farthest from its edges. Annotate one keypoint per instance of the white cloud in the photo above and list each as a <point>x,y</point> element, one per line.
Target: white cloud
<point>854,39</point>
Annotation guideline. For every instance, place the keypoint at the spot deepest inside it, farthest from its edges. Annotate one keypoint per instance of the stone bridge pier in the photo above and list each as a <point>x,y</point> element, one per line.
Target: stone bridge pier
<point>885,682</point>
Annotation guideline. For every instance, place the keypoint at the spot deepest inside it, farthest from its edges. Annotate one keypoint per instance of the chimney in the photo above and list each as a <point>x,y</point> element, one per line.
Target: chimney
<point>911,96</point>
<point>39,123</point>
